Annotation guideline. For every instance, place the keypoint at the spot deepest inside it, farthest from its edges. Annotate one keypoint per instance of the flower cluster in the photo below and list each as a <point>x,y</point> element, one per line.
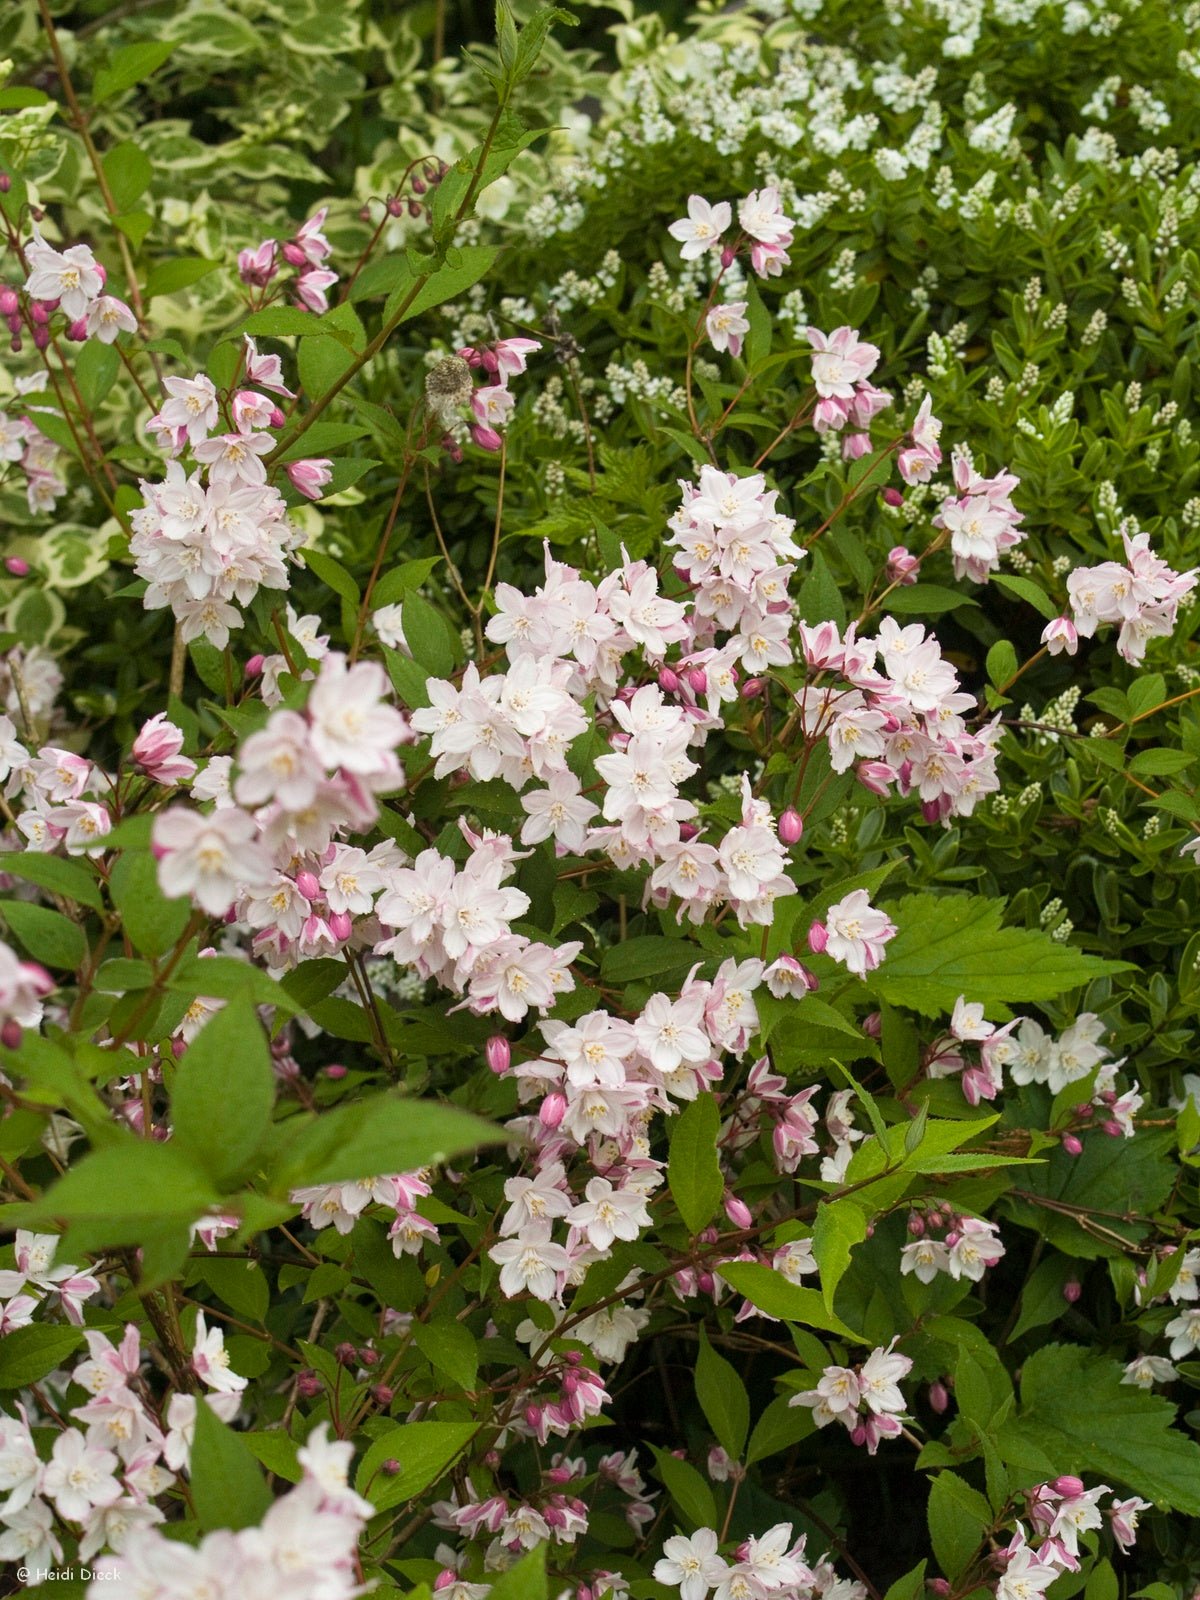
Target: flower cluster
<point>1141,598</point>
<point>865,1399</point>
<point>200,545</point>
<point>71,281</point>
<point>303,253</point>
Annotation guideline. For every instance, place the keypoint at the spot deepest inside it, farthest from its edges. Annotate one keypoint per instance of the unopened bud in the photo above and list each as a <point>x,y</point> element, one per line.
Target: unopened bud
<point>9,304</point>
<point>752,688</point>
<point>818,937</point>
<point>11,1034</point>
<point>77,332</point>
<point>668,681</point>
<point>341,925</point>
<point>345,1354</point>
<point>498,1053</point>
<point>892,497</point>
<point>254,666</point>
<point>872,1025</point>
<point>1072,1145</point>
<point>552,1110</point>
<point>308,886</point>
<point>395,206</point>
<point>16,567</point>
<point>727,256</point>
<point>308,1385</point>
<point>5,183</point>
<point>1114,1130</point>
<point>1069,1486</point>
<point>916,1224</point>
<point>939,1396</point>
<point>390,1467</point>
<point>368,1356</point>
<point>335,1070</point>
<point>738,1212</point>
<point>791,827</point>
<point>1071,1290</point>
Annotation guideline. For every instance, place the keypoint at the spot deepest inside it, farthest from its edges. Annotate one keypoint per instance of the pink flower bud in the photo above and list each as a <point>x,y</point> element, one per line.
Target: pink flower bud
<point>953,1237</point>
<point>818,937</point>
<point>1071,1291</point>
<point>390,1467</point>
<point>1072,1145</point>
<point>368,1356</point>
<point>41,338</point>
<point>728,254</point>
<point>533,1417</point>
<point>447,1576</point>
<point>902,565</point>
<point>310,476</point>
<point>939,1396</point>
<point>308,1385</point>
<point>14,344</point>
<point>668,681</point>
<point>738,1212</point>
<point>38,312</point>
<point>345,1354</point>
<point>5,183</point>
<point>916,1224</point>
<point>17,567</point>
<point>9,303</point>
<point>277,418</point>
<point>499,1054</point>
<point>254,666</point>
<point>1114,1130</point>
<point>77,332</point>
<point>697,679</point>
<point>552,1109</point>
<point>294,255</point>
<point>892,497</point>
<point>1069,1486</point>
<point>485,438</point>
<point>102,272</point>
<point>10,1034</point>
<point>341,925</point>
<point>335,1070</point>
<point>872,1025</point>
<point>308,886</point>
<point>705,1282</point>
<point>876,777</point>
<point>752,688</point>
<point>688,831</point>
<point>940,1587</point>
<point>791,827</point>
<point>395,206</point>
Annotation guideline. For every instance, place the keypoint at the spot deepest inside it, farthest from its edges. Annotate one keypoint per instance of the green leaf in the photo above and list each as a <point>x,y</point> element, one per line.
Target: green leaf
<point>62,876</point>
<point>154,923</point>
<point>228,1488</point>
<point>911,1586</point>
<point>96,368</point>
<point>128,66</point>
<point>28,1354</point>
<point>723,1398</point>
<point>1025,589</point>
<point>778,1428</point>
<point>926,600</point>
<point>771,1292</point>
<point>378,1134</point>
<point>424,1450</point>
<point>838,1226</point>
<point>526,1580</point>
<point>428,636</point>
<point>47,935</point>
<point>687,1488</point>
<point>128,171</point>
<point>446,283</point>
<point>693,1170</point>
<point>168,277</point>
<point>959,1519</point>
<point>224,1092</point>
<point>509,139</point>
<point>1042,1297</point>
<point>117,1194</point>
<point>451,1348</point>
<point>648,957</point>
<point>951,945</point>
<point>1002,663</point>
<point>1077,1416</point>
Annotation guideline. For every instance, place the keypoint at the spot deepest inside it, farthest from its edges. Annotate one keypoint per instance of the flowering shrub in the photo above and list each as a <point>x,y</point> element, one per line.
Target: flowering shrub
<point>600,933</point>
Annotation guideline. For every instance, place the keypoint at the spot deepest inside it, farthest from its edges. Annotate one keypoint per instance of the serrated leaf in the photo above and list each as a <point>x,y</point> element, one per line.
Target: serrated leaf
<point>424,1451</point>
<point>1077,1416</point>
<point>693,1169</point>
<point>723,1398</point>
<point>959,1519</point>
<point>948,946</point>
